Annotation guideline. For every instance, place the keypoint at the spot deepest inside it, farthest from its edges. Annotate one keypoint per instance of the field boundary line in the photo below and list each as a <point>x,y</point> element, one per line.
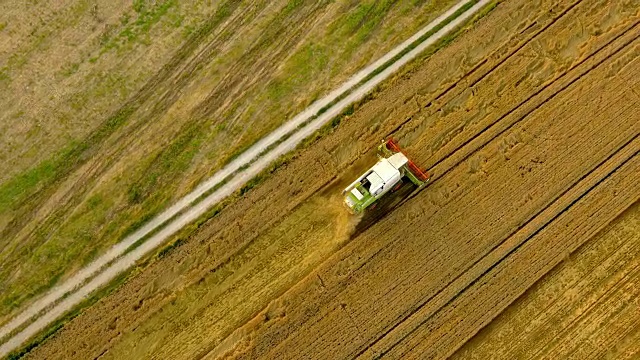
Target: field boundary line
<point>519,119</point>
<point>519,106</point>
<point>632,145</point>
<point>64,297</point>
<point>484,62</point>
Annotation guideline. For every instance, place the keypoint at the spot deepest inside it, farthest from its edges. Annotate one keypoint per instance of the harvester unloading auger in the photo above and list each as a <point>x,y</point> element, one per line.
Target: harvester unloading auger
<point>384,176</point>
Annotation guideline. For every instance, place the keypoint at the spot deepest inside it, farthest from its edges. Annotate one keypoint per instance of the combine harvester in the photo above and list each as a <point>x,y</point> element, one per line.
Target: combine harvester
<point>386,175</point>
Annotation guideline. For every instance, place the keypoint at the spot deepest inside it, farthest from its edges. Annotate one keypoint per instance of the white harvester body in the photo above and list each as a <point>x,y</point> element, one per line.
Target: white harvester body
<point>392,165</point>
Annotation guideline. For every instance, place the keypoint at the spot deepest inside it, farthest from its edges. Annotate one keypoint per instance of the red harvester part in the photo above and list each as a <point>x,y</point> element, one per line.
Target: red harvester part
<point>422,175</point>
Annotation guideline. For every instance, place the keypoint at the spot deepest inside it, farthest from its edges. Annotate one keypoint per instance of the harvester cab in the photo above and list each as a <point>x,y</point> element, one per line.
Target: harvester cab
<point>384,176</point>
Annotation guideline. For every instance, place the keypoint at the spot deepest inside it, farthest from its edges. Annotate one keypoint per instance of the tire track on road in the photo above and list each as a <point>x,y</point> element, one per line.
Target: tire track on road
<point>184,211</point>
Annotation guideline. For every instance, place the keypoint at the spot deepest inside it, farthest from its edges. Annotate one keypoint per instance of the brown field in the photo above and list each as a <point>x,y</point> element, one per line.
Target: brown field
<point>524,244</point>
<point>586,307</point>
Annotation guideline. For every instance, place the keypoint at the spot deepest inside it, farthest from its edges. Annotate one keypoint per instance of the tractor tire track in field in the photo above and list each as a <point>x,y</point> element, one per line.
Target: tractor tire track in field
<point>621,284</point>
<point>631,149</point>
<point>342,303</point>
<point>573,303</point>
<point>468,147</point>
<point>565,84</point>
<point>98,273</point>
<point>94,143</point>
<point>532,227</point>
<point>535,106</point>
<point>461,84</point>
<point>622,156</point>
<point>625,170</point>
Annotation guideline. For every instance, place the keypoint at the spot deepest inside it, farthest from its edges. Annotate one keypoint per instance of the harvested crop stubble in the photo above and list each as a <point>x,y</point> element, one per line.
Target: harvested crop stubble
<point>545,155</point>
<point>501,118</point>
<point>587,307</point>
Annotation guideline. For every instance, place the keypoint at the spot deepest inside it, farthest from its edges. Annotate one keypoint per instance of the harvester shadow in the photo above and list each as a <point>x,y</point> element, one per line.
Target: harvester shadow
<point>383,207</point>
<point>331,193</point>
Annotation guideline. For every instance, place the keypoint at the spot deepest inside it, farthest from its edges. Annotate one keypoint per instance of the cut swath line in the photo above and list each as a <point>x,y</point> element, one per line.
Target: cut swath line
<point>632,144</point>
<point>564,87</point>
<point>436,175</point>
<point>483,62</point>
<point>65,296</point>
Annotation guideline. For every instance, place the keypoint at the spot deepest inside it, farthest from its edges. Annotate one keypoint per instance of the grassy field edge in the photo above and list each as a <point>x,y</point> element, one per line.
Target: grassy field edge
<point>186,233</point>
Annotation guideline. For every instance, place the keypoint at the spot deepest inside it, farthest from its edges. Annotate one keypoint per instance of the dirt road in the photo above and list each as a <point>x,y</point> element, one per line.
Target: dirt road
<point>529,123</point>
<point>242,169</point>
